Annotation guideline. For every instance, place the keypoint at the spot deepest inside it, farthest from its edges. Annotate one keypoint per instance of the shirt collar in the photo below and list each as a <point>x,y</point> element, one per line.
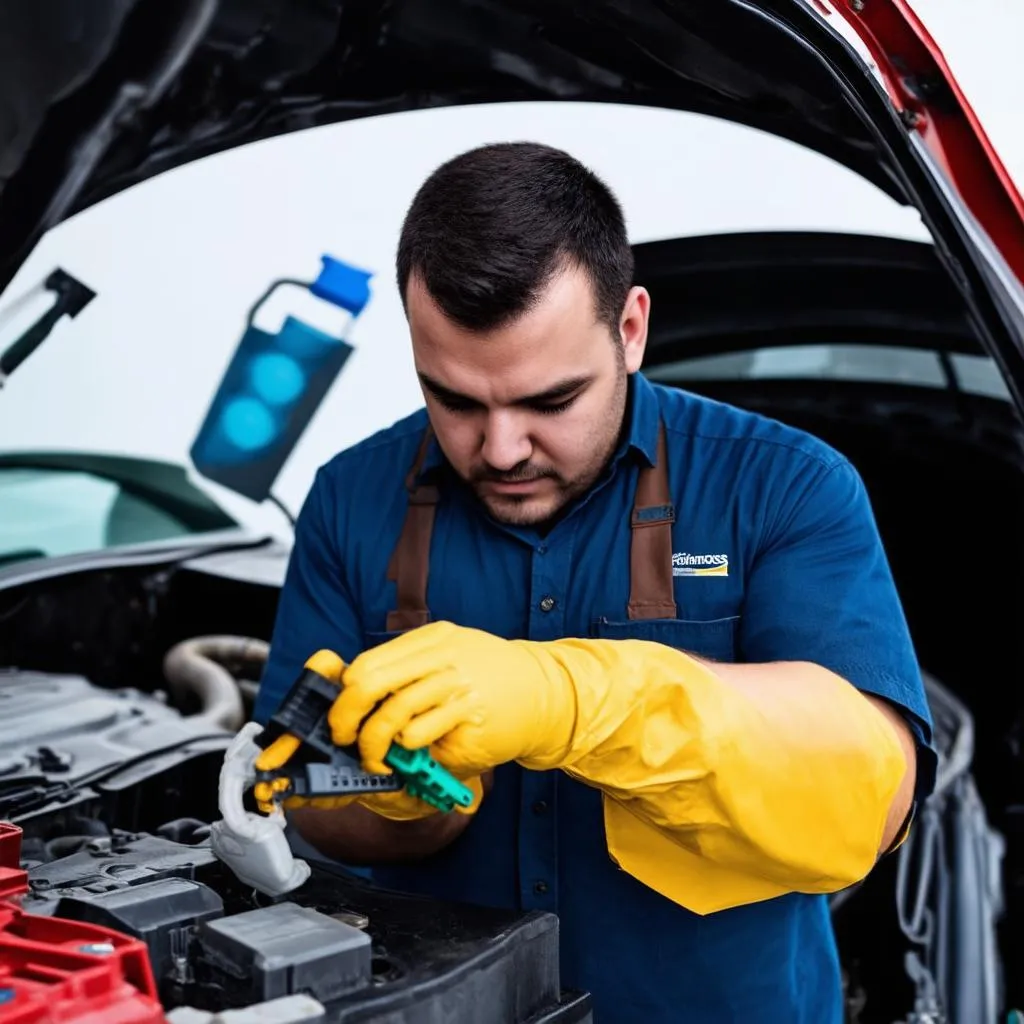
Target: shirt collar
<point>433,460</point>
<point>643,415</point>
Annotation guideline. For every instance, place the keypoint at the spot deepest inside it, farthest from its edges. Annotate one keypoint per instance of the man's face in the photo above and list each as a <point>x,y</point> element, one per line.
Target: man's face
<point>529,414</point>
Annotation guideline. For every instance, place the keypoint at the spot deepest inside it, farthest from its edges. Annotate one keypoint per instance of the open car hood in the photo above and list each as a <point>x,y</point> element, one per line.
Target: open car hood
<point>97,97</point>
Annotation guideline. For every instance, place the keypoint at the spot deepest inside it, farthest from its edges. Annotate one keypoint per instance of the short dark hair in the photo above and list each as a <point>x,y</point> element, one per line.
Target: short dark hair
<point>488,230</point>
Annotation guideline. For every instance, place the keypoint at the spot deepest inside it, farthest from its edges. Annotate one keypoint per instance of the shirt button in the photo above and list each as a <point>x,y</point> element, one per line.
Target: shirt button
<point>542,549</point>
<point>540,887</point>
<point>540,807</point>
<point>547,603</point>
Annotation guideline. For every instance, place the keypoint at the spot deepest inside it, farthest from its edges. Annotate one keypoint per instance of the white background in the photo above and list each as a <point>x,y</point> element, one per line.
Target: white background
<point>178,260</point>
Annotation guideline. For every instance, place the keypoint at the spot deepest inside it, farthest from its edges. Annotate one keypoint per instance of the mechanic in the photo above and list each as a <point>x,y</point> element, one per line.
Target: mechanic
<point>657,635</point>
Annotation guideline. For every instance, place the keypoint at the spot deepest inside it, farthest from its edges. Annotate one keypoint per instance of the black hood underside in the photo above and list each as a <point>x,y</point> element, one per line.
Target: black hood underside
<point>98,96</point>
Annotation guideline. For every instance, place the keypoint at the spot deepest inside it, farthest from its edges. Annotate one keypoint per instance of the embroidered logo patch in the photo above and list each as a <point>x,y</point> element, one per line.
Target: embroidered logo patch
<point>685,564</point>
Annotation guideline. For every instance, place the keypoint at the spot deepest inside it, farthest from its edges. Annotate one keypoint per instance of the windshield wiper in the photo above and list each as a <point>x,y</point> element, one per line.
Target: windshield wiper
<point>72,298</point>
<point>21,555</point>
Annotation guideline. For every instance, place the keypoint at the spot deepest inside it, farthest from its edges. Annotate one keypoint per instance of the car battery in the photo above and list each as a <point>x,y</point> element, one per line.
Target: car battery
<point>162,913</point>
<point>51,969</point>
<point>57,970</point>
<point>285,949</point>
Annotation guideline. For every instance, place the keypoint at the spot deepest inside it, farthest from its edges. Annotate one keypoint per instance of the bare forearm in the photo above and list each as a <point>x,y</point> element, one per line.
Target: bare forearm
<point>357,835</point>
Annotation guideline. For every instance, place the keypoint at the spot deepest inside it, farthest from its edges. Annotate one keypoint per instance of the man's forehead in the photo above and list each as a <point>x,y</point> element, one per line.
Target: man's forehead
<point>554,348</point>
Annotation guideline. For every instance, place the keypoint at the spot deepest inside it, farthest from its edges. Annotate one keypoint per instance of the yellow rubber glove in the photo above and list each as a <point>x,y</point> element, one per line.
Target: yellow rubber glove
<point>399,806</point>
<point>711,799</point>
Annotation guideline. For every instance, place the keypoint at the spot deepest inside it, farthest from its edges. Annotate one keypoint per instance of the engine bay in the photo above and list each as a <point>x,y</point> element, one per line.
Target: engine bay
<point>90,778</point>
<point>336,950</point>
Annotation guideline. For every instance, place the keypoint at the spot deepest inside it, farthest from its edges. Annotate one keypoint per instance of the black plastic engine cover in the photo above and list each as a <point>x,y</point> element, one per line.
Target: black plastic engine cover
<point>429,961</point>
<point>67,744</point>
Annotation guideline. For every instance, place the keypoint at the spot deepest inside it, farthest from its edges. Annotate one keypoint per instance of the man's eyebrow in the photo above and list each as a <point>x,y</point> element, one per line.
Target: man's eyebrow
<point>443,394</point>
<point>561,389</point>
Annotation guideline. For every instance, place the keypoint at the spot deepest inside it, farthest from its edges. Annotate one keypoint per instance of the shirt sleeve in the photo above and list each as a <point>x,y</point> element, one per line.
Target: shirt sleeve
<point>315,609</point>
<point>820,589</point>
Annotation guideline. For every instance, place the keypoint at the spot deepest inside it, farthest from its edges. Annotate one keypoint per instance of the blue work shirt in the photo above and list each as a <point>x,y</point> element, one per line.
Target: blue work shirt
<point>805,578</point>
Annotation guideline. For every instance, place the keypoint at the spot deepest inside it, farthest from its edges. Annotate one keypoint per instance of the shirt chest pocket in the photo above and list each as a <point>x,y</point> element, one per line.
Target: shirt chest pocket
<point>374,638</point>
<point>709,638</point>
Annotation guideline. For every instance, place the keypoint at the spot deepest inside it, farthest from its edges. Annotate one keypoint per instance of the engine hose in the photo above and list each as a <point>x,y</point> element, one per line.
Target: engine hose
<point>199,667</point>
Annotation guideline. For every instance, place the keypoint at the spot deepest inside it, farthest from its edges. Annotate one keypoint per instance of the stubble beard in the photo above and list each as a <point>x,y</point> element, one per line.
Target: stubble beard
<point>528,511</point>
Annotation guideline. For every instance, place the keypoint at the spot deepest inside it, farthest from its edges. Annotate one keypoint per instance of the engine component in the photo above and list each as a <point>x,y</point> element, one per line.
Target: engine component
<point>113,863</point>
<point>13,878</point>
<point>284,950</point>
<point>217,946</point>
<point>202,666</point>
<point>62,970</point>
<point>952,850</point>
<point>64,742</point>
<point>253,846</point>
<point>162,913</point>
<point>52,969</point>
<point>286,1010</point>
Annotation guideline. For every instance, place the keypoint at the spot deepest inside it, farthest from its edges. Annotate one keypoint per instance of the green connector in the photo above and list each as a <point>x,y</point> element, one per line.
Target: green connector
<point>427,780</point>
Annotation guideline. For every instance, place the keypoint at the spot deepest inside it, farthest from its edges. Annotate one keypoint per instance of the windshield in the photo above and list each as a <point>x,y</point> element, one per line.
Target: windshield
<point>71,503</point>
<point>177,262</point>
<point>875,364</point>
<point>58,512</point>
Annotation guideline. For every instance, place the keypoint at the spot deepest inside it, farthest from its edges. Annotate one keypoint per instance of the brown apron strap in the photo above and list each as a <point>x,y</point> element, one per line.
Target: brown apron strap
<point>410,561</point>
<point>651,594</point>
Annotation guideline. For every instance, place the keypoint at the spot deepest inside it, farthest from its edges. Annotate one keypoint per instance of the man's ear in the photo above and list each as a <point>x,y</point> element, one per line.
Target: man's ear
<point>633,327</point>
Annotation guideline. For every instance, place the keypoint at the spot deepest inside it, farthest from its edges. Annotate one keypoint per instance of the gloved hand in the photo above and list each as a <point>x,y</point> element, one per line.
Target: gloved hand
<point>716,794</point>
<point>397,806</point>
<point>477,700</point>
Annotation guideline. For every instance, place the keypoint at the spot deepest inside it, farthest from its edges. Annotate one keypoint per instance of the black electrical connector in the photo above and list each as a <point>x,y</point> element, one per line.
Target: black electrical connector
<point>318,767</point>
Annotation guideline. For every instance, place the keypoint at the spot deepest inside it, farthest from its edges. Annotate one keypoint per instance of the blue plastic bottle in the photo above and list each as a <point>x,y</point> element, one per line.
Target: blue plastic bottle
<point>293,348</point>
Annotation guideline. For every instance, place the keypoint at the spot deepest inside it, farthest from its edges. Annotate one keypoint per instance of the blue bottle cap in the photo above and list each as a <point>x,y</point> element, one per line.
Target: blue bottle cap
<point>343,285</point>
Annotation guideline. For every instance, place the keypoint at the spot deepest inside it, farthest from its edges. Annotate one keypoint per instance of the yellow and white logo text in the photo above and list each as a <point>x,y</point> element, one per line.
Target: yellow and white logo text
<point>685,564</point>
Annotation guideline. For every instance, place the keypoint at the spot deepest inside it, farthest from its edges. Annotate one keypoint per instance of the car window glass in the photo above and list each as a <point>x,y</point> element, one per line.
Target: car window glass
<point>979,375</point>
<point>47,513</point>
<point>867,363</point>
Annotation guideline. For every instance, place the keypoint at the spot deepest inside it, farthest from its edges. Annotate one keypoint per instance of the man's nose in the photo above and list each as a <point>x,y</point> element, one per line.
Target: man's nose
<point>506,441</point>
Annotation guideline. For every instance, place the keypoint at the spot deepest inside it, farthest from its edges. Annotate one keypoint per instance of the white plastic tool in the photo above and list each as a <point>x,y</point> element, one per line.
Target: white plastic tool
<point>253,846</point>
